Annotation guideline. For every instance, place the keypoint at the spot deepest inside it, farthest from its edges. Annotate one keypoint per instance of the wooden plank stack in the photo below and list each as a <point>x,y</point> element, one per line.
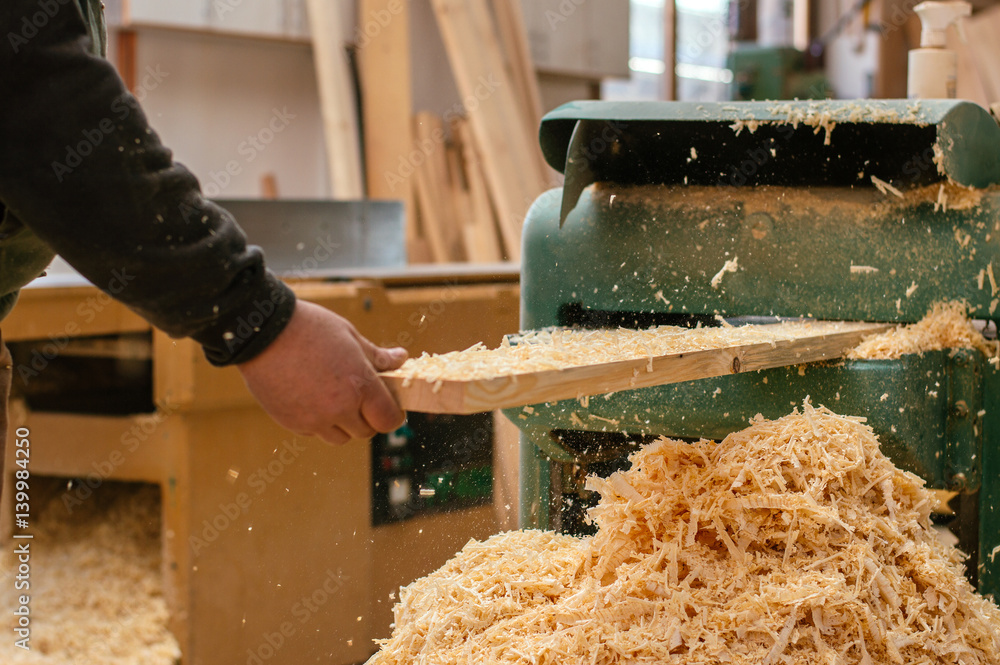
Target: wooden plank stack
<point>467,181</point>
<point>512,165</point>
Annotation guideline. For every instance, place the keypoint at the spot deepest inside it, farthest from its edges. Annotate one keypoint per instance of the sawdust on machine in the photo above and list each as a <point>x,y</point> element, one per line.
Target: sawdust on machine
<point>541,350</point>
<point>794,541</point>
<point>945,326</point>
<point>860,204</point>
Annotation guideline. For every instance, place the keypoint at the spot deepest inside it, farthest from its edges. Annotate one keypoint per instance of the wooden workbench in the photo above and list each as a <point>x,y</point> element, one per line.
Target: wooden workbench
<point>268,544</point>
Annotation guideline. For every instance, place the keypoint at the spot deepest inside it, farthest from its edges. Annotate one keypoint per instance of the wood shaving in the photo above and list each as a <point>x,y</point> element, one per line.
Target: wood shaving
<point>857,205</point>
<point>96,582</point>
<point>886,188</point>
<point>731,265</point>
<point>945,326</point>
<point>794,541</point>
<point>541,350</point>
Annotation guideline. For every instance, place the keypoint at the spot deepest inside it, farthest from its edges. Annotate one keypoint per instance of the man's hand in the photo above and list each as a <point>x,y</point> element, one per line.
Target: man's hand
<point>318,377</point>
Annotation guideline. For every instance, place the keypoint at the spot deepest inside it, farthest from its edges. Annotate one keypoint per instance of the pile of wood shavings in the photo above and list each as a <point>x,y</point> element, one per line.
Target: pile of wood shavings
<point>558,349</point>
<point>96,583</point>
<point>793,541</point>
<point>945,326</point>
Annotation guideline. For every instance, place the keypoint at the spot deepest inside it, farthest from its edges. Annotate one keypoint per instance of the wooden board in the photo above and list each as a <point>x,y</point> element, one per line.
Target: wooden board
<point>384,70</point>
<point>474,396</point>
<point>514,36</point>
<point>336,95</point>
<point>483,227</point>
<point>506,145</point>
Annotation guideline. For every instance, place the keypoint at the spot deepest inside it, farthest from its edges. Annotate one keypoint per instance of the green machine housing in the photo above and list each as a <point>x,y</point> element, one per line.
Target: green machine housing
<point>845,210</point>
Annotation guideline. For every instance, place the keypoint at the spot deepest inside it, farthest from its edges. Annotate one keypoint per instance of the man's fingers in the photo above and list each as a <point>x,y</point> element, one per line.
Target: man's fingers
<point>357,428</point>
<point>334,435</point>
<point>380,409</point>
<point>386,359</point>
<point>382,359</point>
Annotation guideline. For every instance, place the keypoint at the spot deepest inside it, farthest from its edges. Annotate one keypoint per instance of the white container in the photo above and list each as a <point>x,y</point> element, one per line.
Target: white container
<point>933,69</point>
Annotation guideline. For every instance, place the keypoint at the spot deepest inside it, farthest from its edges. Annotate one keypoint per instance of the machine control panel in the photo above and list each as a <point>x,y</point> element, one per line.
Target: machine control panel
<point>432,463</point>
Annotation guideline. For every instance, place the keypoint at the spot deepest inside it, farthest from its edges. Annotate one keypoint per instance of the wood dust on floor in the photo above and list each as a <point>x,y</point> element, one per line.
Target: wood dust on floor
<point>96,594</point>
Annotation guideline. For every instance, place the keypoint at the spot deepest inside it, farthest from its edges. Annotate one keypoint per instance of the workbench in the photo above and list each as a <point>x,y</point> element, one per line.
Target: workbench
<point>267,538</point>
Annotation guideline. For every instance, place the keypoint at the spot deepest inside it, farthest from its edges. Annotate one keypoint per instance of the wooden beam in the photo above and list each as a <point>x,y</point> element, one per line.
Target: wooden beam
<point>514,37</point>
<point>486,241</point>
<point>514,176</point>
<point>337,102</point>
<point>384,67</point>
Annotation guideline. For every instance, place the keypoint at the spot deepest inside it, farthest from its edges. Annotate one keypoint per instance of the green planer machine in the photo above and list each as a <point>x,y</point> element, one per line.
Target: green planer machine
<point>680,213</point>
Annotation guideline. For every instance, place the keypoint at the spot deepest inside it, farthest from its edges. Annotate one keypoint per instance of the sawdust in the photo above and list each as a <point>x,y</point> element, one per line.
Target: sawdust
<point>96,585</point>
<point>945,326</point>
<point>562,348</point>
<point>794,541</point>
<point>824,117</point>
<point>861,204</point>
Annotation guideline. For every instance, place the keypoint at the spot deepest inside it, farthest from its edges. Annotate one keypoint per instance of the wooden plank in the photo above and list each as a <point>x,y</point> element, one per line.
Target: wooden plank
<point>429,129</point>
<point>513,175</point>
<point>462,200</point>
<point>483,221</point>
<point>384,69</point>
<point>475,396</point>
<point>337,102</point>
<point>670,49</point>
<point>890,75</point>
<point>514,36</point>
<point>433,216</point>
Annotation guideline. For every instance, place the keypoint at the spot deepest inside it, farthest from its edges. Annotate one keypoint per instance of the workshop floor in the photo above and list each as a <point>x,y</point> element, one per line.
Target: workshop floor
<point>96,591</point>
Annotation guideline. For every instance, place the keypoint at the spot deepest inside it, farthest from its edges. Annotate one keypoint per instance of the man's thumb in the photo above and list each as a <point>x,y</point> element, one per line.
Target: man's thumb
<point>385,359</point>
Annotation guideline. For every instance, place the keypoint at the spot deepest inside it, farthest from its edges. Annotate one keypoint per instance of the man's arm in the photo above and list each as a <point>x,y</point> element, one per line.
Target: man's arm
<point>80,167</point>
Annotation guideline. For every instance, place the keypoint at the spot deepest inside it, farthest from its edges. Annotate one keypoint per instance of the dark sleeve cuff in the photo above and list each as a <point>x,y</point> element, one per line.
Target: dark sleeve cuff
<point>250,325</point>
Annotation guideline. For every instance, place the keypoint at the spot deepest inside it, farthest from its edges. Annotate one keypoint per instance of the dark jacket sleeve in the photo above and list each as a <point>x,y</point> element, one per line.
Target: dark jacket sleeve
<point>81,168</point>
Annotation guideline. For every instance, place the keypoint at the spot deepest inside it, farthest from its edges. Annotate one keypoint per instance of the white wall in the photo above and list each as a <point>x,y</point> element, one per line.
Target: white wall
<point>217,92</point>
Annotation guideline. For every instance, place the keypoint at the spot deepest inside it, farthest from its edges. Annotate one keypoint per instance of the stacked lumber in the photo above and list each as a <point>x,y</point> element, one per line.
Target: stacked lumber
<point>491,88</point>
<point>466,182</point>
<point>456,216</point>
